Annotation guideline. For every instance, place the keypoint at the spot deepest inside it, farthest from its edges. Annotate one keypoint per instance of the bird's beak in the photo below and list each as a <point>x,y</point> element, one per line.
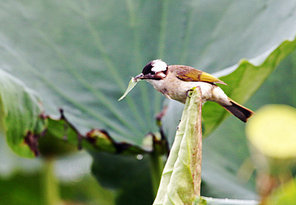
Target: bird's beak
<point>140,76</point>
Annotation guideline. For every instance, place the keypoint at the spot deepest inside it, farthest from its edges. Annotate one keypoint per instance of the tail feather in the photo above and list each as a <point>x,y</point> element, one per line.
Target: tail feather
<point>239,111</point>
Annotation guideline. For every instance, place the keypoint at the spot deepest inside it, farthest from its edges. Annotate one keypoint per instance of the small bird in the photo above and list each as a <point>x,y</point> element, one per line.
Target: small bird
<point>174,81</point>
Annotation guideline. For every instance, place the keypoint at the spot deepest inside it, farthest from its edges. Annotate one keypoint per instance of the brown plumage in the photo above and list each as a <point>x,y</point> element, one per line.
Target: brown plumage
<point>188,73</point>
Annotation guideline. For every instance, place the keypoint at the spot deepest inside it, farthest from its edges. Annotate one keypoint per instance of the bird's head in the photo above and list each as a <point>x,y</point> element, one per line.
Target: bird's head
<point>154,70</point>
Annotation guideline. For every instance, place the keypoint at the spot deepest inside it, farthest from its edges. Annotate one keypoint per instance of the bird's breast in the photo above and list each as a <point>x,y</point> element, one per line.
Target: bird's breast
<point>177,89</point>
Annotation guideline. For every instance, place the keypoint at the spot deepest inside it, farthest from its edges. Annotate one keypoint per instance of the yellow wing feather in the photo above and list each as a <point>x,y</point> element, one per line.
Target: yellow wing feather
<point>187,73</point>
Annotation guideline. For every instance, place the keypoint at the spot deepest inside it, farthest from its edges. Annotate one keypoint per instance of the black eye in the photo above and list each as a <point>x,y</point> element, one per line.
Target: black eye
<point>147,69</point>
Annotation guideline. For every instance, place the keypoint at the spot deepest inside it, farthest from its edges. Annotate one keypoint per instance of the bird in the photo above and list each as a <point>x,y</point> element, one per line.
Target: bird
<point>175,81</point>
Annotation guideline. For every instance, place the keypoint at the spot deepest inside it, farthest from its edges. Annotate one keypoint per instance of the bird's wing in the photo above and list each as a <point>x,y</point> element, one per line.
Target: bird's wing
<point>187,73</point>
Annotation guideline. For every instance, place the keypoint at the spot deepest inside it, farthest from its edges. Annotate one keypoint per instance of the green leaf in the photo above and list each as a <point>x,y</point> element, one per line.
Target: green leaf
<point>79,57</point>
<point>71,53</point>
<point>130,86</point>
<point>244,80</point>
<point>228,44</point>
<point>282,77</point>
<point>226,149</point>
<point>69,138</point>
<point>227,169</point>
<point>19,115</point>
<point>235,37</point>
<point>181,177</point>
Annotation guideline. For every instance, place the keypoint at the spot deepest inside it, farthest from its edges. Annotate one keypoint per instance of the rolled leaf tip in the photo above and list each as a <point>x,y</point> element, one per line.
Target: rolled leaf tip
<point>132,83</point>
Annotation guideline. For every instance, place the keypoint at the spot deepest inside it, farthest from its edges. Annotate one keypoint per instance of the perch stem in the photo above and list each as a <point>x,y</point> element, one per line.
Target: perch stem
<point>50,184</point>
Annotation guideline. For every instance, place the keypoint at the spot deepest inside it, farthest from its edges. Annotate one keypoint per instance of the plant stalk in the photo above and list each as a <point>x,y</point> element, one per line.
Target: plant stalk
<point>181,178</point>
<point>50,184</point>
<point>156,166</point>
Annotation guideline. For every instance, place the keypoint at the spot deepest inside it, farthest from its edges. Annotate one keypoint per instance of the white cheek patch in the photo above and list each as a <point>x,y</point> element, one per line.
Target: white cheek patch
<point>158,66</point>
<point>161,74</point>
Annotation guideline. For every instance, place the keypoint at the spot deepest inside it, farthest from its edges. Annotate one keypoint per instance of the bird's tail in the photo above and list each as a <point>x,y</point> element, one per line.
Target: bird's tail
<point>238,110</point>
